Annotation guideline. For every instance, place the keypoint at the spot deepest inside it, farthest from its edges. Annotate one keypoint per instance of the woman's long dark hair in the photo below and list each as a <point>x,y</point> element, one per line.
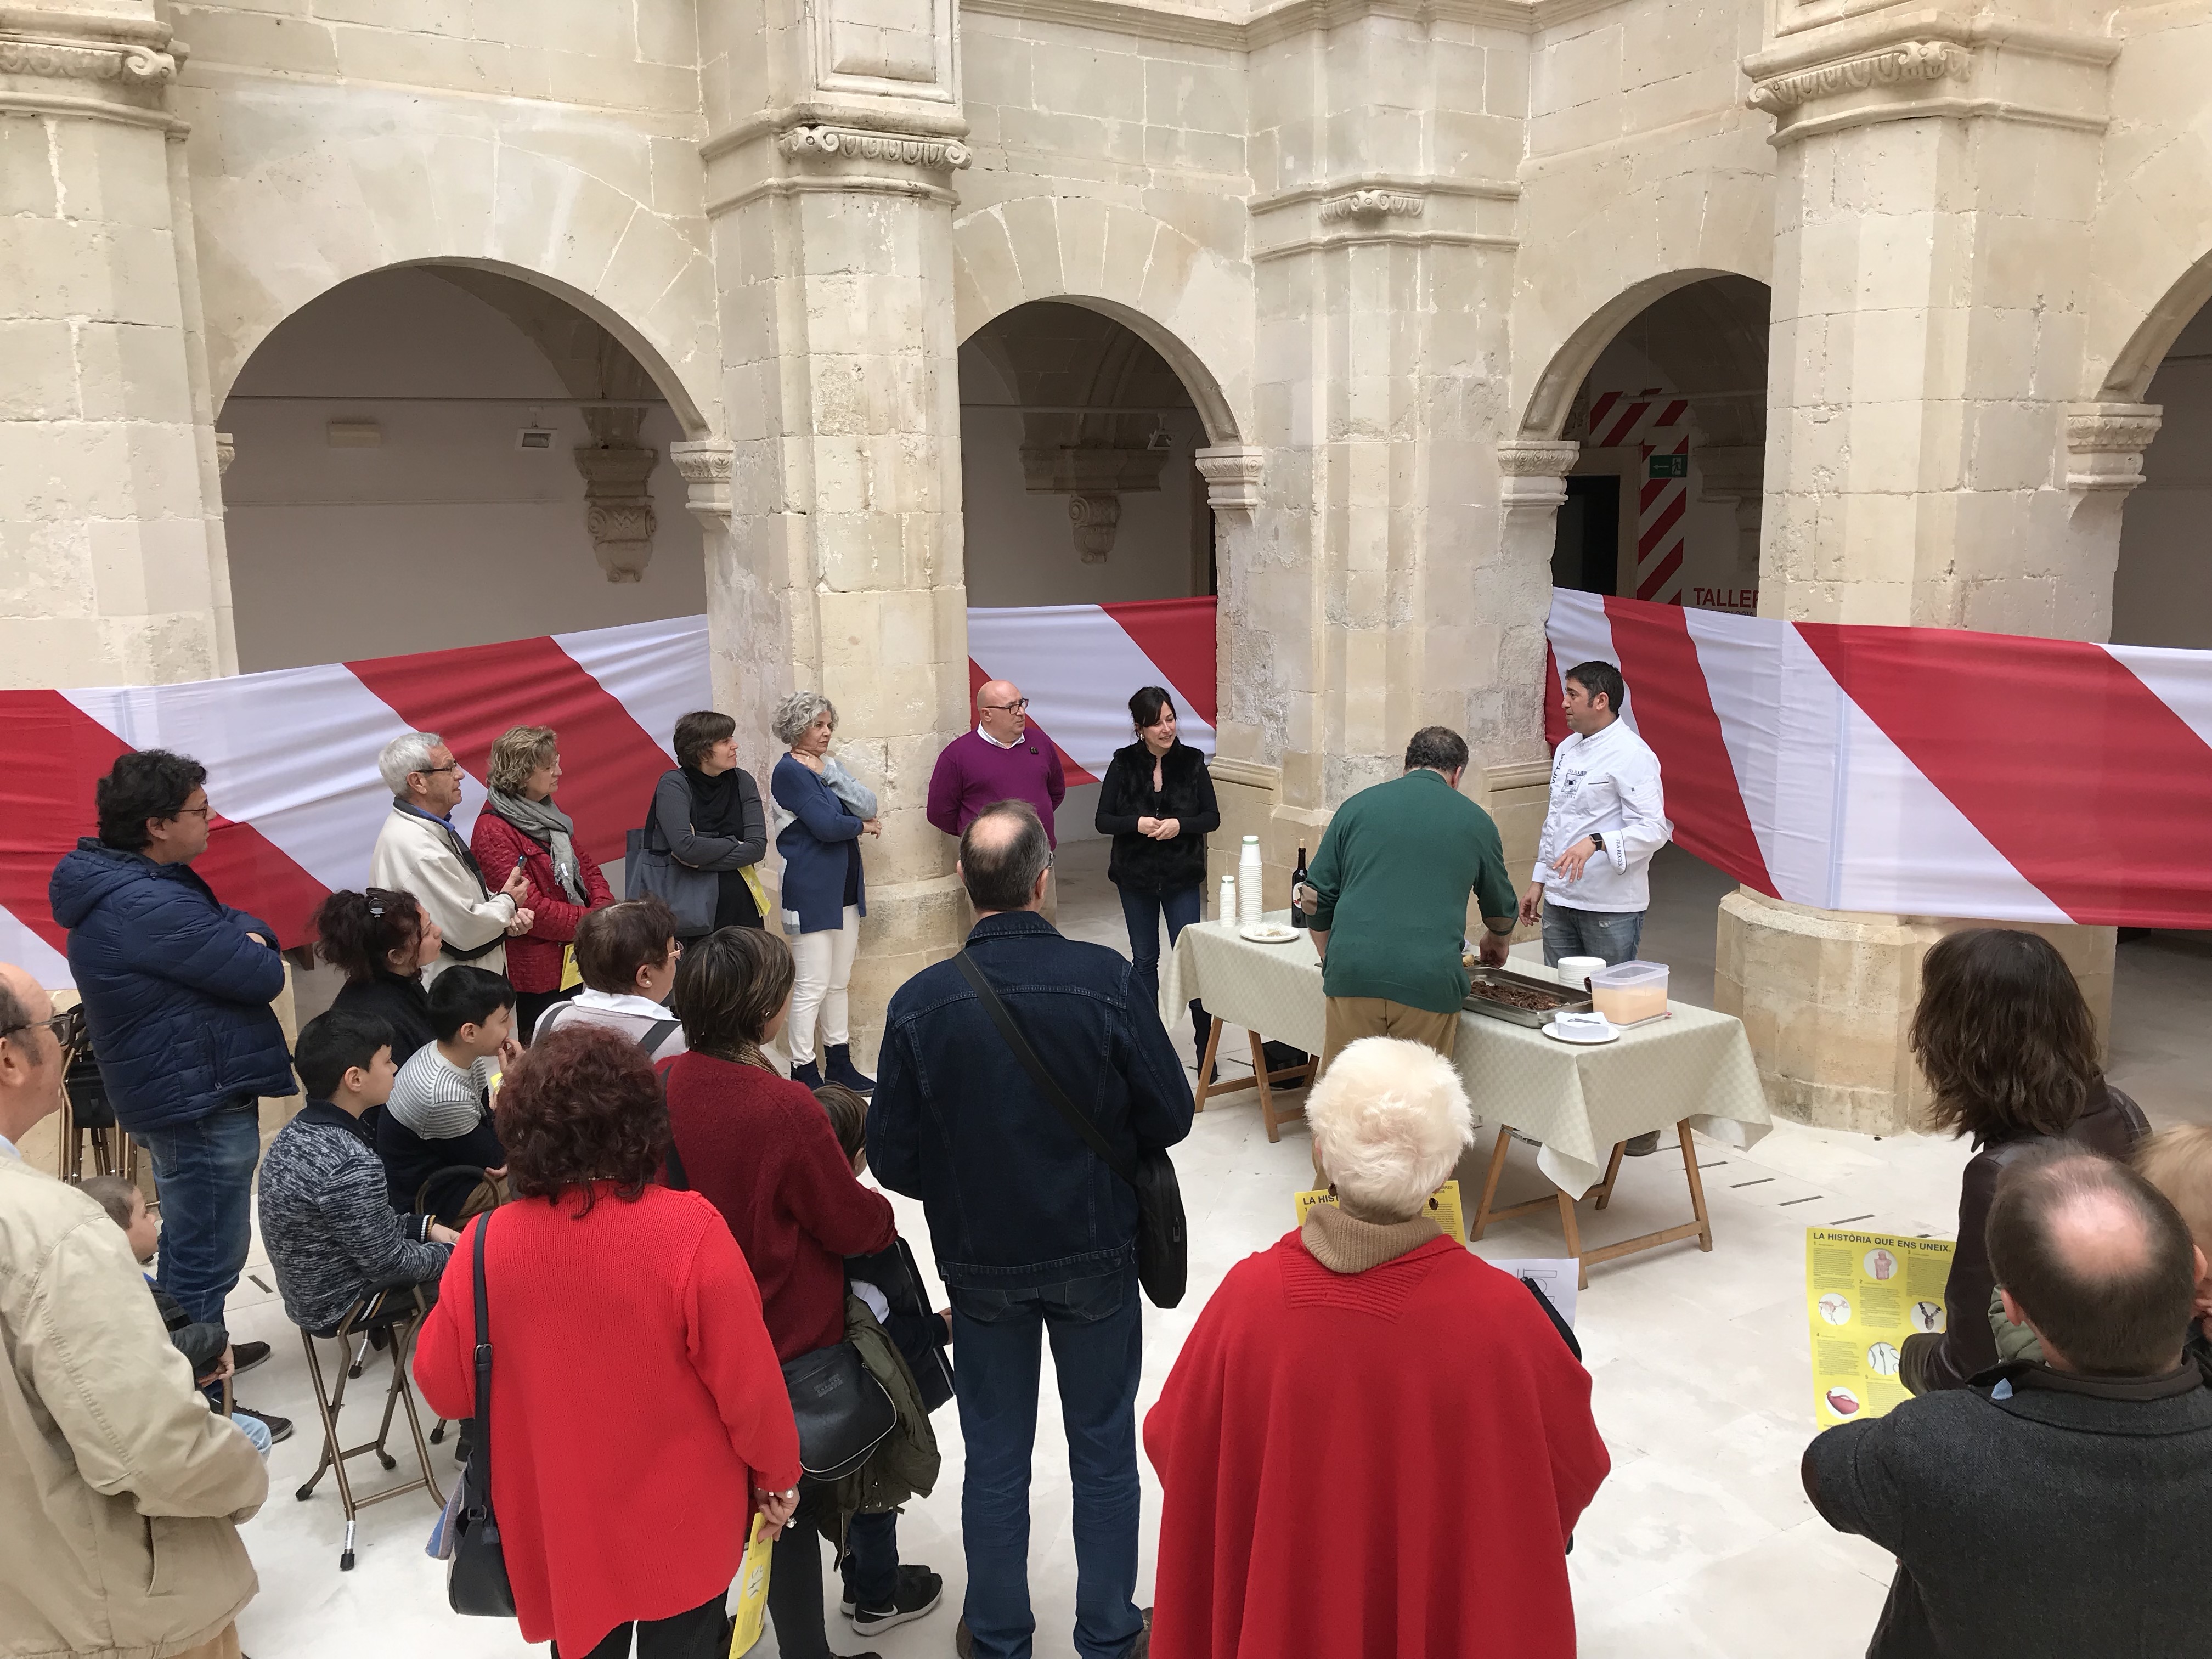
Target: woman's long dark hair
<point>727,989</point>
<point>2003,1037</point>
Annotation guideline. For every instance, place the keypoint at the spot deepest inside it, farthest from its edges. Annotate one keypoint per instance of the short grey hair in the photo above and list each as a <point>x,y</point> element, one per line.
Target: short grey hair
<point>410,752</point>
<point>1389,1120</point>
<point>798,711</point>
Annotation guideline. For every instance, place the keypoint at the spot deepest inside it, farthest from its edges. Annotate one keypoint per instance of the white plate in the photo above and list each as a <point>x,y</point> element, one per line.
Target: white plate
<point>1552,1030</point>
<point>1269,933</point>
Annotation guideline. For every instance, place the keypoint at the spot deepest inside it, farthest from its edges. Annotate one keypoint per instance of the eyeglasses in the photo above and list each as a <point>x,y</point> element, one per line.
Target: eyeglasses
<point>207,812</point>
<point>432,771</point>
<point>60,1025</point>
<point>1014,707</point>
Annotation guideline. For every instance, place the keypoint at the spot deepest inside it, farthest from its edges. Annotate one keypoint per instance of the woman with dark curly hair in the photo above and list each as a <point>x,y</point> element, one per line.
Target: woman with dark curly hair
<point>381,940</point>
<point>633,1516</point>
<point>2009,1050</point>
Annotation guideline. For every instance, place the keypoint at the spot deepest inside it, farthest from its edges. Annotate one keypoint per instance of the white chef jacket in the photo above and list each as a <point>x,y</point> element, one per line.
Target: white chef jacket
<point>1609,782</point>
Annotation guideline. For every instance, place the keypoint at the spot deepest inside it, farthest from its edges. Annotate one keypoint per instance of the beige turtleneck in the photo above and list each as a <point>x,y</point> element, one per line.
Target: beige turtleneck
<point>1343,1243</point>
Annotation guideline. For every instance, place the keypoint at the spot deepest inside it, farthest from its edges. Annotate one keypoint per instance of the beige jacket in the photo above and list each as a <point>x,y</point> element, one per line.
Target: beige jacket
<point>120,1492</point>
<point>413,856</point>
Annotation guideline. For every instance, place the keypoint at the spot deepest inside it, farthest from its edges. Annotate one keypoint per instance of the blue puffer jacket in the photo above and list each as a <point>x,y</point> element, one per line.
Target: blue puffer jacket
<point>175,994</point>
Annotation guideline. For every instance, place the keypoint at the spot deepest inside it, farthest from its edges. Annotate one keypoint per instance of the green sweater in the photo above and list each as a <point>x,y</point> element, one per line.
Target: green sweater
<point>1392,878</point>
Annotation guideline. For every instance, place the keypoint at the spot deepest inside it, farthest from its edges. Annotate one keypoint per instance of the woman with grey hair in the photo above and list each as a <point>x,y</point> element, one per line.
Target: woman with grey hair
<point>1425,1391</point>
<point>823,895</point>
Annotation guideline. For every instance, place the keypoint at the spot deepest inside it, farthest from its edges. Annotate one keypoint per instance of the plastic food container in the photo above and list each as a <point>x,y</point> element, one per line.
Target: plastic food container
<point>1630,991</point>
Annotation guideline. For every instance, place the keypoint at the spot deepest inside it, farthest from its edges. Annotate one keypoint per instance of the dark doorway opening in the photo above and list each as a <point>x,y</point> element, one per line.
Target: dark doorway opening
<point>1587,554</point>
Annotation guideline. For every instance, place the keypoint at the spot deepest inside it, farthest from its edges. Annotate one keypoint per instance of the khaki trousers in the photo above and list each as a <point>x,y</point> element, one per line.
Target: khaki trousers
<point>223,1646</point>
<point>1346,1019</point>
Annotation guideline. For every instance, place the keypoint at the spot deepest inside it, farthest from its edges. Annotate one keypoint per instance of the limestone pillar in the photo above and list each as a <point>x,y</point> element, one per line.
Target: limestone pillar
<point>110,512</point>
<point>1936,173</point>
<point>830,186</point>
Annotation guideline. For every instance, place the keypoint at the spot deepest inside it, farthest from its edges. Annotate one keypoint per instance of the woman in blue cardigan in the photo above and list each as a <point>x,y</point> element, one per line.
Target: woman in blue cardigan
<point>823,895</point>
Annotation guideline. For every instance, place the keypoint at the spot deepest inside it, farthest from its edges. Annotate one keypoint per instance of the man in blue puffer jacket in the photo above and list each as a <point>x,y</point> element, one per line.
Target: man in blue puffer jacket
<point>176,987</point>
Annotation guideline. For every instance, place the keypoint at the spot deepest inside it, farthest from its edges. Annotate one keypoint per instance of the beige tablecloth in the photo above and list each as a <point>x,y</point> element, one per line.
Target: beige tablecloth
<point>1576,1101</point>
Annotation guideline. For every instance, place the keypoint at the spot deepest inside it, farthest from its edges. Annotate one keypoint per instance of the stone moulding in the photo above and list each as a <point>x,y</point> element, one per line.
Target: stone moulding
<point>707,467</point>
<point>1372,204</point>
<point>1902,64</point>
<point>2104,444</point>
<point>908,149</point>
<point>124,63</point>
<point>1534,470</point>
<point>1231,472</point>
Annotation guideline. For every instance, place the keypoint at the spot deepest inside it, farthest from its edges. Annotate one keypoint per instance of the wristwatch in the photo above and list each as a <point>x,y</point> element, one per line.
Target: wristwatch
<point>1597,841</point>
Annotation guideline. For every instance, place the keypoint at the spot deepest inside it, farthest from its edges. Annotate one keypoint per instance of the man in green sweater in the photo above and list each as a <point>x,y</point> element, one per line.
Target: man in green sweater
<point>1389,900</point>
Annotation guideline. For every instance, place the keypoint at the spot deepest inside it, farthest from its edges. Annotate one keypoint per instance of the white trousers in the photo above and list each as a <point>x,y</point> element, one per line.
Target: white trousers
<point>825,962</point>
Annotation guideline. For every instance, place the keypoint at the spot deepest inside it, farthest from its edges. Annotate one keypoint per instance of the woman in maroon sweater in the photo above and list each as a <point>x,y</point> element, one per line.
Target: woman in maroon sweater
<point>761,1148</point>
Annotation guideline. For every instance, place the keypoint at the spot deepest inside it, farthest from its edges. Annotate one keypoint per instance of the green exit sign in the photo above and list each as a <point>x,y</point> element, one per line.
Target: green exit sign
<point>1669,466</point>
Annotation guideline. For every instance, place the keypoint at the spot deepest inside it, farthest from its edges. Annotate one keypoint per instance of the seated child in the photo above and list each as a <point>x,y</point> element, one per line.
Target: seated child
<point>326,1219</point>
<point>206,1347</point>
<point>440,1113</point>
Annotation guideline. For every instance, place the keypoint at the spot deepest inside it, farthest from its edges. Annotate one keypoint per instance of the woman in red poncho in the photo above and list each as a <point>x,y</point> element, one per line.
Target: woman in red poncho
<point>1373,1445</point>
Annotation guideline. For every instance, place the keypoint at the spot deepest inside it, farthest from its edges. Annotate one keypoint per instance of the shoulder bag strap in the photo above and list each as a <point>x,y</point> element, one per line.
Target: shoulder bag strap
<point>656,1034</point>
<point>1047,1084</point>
<point>481,1437</point>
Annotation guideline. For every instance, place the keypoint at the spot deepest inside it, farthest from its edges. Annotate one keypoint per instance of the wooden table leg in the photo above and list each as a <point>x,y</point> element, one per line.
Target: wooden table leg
<point>1574,1239</point>
<point>1205,1066</point>
<point>1490,1184</point>
<point>1697,1186</point>
<point>1266,1091</point>
<point>1611,1175</point>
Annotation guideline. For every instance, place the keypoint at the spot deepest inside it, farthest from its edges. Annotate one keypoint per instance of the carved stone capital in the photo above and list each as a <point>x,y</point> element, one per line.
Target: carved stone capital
<point>1535,470</point>
<point>1372,204</point>
<point>226,452</point>
<point>904,149</point>
<point>1231,472</point>
<point>2104,444</point>
<point>127,64</point>
<point>618,502</point>
<point>1906,62</point>
<point>1095,519</point>
<point>706,465</point>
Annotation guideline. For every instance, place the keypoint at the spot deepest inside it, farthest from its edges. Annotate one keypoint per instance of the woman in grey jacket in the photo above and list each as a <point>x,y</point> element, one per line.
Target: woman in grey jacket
<point>707,813</point>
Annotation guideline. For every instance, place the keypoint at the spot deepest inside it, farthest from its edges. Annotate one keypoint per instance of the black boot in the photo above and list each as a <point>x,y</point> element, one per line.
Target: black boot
<point>1201,1027</point>
<point>842,1069</point>
<point>809,1074</point>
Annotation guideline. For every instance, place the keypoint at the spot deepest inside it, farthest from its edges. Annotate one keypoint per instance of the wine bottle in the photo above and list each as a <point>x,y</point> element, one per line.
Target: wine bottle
<point>1299,917</point>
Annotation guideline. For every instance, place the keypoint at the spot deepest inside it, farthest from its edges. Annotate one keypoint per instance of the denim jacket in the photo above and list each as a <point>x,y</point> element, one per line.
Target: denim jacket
<point>1013,1196</point>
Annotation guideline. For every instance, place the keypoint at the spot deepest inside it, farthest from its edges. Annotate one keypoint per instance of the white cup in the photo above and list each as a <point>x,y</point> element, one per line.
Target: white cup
<point>1576,971</point>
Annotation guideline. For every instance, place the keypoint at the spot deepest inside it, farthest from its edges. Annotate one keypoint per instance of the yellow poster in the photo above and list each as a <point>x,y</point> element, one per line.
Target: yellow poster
<point>1864,1294</point>
<point>1443,1208</point>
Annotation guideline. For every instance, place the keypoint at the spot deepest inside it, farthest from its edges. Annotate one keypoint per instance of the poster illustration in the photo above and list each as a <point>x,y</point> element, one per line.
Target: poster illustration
<point>1865,1293</point>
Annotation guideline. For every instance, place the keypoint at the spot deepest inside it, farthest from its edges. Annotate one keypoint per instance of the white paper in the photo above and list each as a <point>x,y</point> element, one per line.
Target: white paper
<point>1556,1276</point>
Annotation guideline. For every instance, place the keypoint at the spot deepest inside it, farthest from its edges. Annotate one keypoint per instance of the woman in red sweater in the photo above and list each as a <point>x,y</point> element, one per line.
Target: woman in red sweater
<point>761,1147</point>
<point>1336,1485</point>
<point>520,824</point>
<point>638,1512</point>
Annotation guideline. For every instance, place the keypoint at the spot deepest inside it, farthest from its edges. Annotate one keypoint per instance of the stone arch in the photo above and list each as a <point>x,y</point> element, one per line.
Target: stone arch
<point>1187,302</point>
<point>1545,413</point>
<point>2127,380</point>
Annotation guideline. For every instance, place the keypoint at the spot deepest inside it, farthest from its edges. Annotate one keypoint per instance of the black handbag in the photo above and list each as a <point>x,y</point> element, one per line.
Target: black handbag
<point>1163,1239</point>
<point>475,1578</point>
<point>842,1411</point>
<point>653,870</point>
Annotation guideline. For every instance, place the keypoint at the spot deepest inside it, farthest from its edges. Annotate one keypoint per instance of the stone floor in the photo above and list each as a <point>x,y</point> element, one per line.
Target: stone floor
<point>1700,1543</point>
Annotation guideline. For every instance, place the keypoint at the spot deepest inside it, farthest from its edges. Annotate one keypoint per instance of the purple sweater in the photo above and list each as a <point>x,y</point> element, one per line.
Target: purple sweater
<point>973,772</point>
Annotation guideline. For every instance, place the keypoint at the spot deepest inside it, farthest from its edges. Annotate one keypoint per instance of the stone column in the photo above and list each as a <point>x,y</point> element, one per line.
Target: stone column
<point>110,512</point>
<point>1937,173</point>
<point>829,188</point>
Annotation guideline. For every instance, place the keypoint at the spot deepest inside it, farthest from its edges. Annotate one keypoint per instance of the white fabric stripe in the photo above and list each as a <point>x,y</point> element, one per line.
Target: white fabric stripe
<point>20,946</point>
<point>1580,631</point>
<point>1078,667</point>
<point>1741,660</point>
<point>658,670</point>
<point>2181,679</point>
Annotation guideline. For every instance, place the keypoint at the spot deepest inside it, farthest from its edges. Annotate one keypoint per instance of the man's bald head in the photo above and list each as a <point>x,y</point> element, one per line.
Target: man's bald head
<point>2097,1258</point>
<point>30,1057</point>
<point>1002,854</point>
<point>1000,711</point>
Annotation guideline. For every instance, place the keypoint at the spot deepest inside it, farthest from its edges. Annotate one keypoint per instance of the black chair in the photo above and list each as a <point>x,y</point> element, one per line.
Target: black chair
<point>397,1314</point>
<point>87,1113</point>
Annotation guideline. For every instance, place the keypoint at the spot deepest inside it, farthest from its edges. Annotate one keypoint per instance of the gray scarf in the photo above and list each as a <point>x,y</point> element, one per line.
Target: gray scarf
<point>550,828</point>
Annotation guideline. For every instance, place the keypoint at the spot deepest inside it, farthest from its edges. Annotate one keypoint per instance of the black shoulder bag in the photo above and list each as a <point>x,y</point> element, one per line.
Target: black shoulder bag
<point>1162,1240</point>
<point>475,1578</point>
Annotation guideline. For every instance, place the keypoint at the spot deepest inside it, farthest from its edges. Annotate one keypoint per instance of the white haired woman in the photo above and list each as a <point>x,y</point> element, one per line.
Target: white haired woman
<point>823,895</point>
<point>1372,1442</point>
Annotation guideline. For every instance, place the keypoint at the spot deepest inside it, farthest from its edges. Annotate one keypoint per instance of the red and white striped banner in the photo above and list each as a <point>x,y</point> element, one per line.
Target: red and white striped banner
<point>291,755</point>
<point>1654,422</point>
<point>1920,771</point>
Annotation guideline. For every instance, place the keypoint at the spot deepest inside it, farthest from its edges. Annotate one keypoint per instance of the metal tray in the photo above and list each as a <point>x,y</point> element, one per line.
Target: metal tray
<point>1560,999</point>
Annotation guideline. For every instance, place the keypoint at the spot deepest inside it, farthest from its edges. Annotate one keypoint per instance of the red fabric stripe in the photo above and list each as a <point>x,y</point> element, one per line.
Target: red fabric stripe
<point>1605,400</point>
<point>1626,424</point>
<point>1655,533</point>
<point>1673,413</point>
<point>978,677</point>
<point>1178,635</point>
<point>1674,714</point>
<point>2079,775</point>
<point>1648,497</point>
<point>1648,588</point>
<point>470,696</point>
<point>1555,717</point>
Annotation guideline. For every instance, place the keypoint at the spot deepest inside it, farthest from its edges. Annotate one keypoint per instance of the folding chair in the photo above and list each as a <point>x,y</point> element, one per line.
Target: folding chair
<point>398,1313</point>
<point>86,1115</point>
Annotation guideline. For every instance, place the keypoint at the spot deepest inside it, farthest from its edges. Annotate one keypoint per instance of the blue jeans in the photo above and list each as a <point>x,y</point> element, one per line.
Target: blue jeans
<point>204,1172</point>
<point>1611,934</point>
<point>1143,912</point>
<point>1097,1345</point>
<point>872,1562</point>
<point>254,1430</point>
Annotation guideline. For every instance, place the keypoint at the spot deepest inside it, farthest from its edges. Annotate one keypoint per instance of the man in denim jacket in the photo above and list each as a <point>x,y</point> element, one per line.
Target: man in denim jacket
<point>1033,1234</point>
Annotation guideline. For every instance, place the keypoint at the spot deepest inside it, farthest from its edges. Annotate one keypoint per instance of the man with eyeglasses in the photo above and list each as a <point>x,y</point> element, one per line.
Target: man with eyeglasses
<point>1004,758</point>
<point>421,851</point>
<point>177,987</point>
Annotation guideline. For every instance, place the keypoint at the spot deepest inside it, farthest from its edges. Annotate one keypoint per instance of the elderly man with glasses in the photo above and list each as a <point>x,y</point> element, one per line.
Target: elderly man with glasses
<point>1005,757</point>
<point>177,987</point>
<point>420,851</point>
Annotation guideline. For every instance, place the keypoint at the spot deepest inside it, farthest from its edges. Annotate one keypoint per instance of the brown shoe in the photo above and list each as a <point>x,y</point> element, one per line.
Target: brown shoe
<point>1142,1647</point>
<point>963,1641</point>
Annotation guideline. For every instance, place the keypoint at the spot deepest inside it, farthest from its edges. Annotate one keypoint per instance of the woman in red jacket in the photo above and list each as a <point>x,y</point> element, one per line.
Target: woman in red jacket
<point>520,824</point>
<point>627,1464</point>
<point>761,1147</point>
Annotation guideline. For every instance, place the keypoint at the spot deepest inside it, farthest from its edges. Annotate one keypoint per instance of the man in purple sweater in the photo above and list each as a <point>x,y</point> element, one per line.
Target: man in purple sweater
<point>1002,759</point>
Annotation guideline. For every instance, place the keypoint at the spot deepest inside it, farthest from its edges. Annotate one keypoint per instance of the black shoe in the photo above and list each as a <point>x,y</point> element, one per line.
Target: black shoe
<point>842,1069</point>
<point>810,1074</point>
<point>1643,1145</point>
<point>1142,1647</point>
<point>963,1641</point>
<point>280,1428</point>
<point>918,1592</point>
<point>245,1355</point>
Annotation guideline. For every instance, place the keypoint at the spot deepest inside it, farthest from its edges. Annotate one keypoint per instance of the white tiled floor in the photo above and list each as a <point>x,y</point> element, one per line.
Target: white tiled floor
<point>1700,1543</point>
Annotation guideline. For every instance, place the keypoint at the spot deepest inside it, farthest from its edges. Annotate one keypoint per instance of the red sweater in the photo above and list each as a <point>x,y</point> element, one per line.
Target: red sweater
<point>1384,1465</point>
<point>635,1403</point>
<point>533,961</point>
<point>762,1148</point>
